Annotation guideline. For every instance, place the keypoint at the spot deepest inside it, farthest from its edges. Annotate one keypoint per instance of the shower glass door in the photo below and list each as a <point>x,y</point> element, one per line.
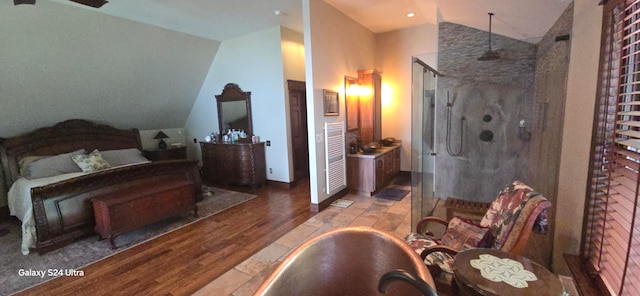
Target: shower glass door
<point>423,154</point>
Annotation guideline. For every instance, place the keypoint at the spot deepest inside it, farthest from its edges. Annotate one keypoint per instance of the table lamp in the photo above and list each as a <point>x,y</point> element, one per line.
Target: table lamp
<point>160,135</point>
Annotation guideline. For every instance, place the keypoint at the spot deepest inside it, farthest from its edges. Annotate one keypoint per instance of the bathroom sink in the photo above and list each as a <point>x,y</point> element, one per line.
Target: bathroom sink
<point>348,261</point>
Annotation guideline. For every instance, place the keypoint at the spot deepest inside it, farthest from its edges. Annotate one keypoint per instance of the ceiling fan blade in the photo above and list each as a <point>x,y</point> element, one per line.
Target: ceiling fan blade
<point>92,3</point>
<point>18,2</point>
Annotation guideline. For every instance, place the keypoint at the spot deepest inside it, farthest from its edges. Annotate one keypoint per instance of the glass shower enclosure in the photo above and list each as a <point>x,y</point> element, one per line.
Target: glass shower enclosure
<point>423,104</point>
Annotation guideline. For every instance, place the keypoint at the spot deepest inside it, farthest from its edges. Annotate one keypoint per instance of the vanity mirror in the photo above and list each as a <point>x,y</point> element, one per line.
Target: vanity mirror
<point>352,102</point>
<point>234,109</point>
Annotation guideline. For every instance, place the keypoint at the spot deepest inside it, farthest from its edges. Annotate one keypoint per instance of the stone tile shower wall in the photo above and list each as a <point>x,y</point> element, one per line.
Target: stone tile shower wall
<point>501,90</point>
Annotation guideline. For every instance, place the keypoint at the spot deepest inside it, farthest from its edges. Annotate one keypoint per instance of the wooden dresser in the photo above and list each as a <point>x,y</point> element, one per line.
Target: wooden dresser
<point>136,206</point>
<point>368,173</point>
<point>237,163</point>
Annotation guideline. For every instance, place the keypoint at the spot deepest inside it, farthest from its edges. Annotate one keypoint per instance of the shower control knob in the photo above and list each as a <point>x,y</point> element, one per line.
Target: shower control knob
<point>486,136</point>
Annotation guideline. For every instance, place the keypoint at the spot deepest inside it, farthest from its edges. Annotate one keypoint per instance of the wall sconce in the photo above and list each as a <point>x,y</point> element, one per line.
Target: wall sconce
<point>352,90</point>
<point>523,134</point>
<point>160,135</point>
<point>92,3</point>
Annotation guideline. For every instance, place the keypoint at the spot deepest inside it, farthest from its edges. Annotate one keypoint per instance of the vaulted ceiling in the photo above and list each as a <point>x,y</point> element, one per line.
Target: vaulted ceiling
<point>224,19</point>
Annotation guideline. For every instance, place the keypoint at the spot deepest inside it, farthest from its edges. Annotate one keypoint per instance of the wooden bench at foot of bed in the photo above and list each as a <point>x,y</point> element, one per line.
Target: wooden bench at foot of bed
<point>63,211</point>
<point>122,211</point>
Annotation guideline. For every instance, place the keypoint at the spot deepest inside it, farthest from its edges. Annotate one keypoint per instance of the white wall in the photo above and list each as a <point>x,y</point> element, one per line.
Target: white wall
<point>335,46</point>
<point>394,53</point>
<point>255,63</point>
<point>59,62</point>
<point>581,94</point>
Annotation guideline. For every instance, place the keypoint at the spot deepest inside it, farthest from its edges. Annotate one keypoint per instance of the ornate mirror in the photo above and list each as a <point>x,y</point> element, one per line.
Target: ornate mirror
<point>234,109</point>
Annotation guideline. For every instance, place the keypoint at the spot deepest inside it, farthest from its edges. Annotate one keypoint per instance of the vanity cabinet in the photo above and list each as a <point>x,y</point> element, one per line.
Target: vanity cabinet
<point>368,173</point>
<point>236,163</point>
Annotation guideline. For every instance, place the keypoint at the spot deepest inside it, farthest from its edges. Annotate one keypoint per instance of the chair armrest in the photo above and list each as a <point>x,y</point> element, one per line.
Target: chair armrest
<point>422,224</point>
<point>438,248</point>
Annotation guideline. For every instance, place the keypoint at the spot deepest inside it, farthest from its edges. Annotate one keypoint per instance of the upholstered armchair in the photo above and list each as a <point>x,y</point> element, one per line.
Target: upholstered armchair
<point>512,216</point>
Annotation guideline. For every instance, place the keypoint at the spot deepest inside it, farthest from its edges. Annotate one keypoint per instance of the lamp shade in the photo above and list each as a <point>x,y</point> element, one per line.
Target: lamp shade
<point>18,2</point>
<point>92,3</point>
<point>160,135</point>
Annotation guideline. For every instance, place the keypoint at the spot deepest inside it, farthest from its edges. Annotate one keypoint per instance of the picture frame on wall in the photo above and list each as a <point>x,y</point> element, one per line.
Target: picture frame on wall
<point>331,103</point>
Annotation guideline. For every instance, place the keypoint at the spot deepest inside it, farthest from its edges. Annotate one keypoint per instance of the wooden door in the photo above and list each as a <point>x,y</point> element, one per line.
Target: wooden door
<point>299,139</point>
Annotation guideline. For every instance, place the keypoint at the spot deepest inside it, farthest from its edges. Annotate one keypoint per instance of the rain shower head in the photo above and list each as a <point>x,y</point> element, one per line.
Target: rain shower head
<point>490,55</point>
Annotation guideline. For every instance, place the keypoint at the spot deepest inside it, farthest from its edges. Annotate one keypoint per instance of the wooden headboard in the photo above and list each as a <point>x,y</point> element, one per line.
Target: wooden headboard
<point>66,136</point>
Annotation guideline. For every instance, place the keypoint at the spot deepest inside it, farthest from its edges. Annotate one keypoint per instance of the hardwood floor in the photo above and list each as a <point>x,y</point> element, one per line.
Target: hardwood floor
<point>185,260</point>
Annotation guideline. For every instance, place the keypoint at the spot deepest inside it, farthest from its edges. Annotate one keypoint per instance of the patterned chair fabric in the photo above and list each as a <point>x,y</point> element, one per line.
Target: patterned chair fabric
<point>505,210</point>
<point>419,242</point>
<point>505,218</point>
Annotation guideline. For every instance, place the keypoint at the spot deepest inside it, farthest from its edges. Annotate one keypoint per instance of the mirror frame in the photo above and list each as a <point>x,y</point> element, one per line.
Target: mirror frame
<point>233,92</point>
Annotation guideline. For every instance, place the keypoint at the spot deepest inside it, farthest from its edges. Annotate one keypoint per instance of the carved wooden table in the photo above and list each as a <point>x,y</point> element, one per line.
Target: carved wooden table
<point>502,273</point>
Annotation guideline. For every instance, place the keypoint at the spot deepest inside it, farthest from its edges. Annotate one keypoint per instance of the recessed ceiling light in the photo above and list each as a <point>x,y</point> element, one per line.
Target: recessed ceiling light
<point>411,14</point>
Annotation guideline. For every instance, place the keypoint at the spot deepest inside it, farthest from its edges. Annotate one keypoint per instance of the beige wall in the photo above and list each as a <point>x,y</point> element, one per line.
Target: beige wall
<point>292,43</point>
<point>335,46</point>
<point>578,119</point>
<point>293,63</point>
<point>394,53</point>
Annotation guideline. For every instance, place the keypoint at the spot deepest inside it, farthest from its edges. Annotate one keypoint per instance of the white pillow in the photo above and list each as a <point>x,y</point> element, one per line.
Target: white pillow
<point>91,162</point>
<point>49,166</point>
<point>25,163</point>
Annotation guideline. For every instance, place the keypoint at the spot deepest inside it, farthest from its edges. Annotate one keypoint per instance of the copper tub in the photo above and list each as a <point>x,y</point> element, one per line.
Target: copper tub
<point>350,261</point>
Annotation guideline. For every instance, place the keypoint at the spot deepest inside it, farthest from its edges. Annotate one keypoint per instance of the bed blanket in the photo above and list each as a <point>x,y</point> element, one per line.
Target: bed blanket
<point>19,200</point>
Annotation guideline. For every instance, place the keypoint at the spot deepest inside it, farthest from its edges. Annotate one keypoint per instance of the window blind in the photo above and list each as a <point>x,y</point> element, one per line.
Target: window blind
<point>611,240</point>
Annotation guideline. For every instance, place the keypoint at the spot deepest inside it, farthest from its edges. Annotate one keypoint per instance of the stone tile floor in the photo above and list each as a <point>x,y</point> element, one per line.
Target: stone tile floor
<point>390,216</point>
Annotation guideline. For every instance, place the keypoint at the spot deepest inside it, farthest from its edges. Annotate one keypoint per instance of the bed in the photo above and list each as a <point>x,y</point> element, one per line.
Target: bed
<point>54,204</point>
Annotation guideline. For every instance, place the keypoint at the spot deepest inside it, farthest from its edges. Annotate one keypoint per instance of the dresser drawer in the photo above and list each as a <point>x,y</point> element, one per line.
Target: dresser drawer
<point>237,163</point>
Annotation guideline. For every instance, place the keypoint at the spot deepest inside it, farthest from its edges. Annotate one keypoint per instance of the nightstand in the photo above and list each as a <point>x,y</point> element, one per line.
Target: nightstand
<point>165,154</point>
